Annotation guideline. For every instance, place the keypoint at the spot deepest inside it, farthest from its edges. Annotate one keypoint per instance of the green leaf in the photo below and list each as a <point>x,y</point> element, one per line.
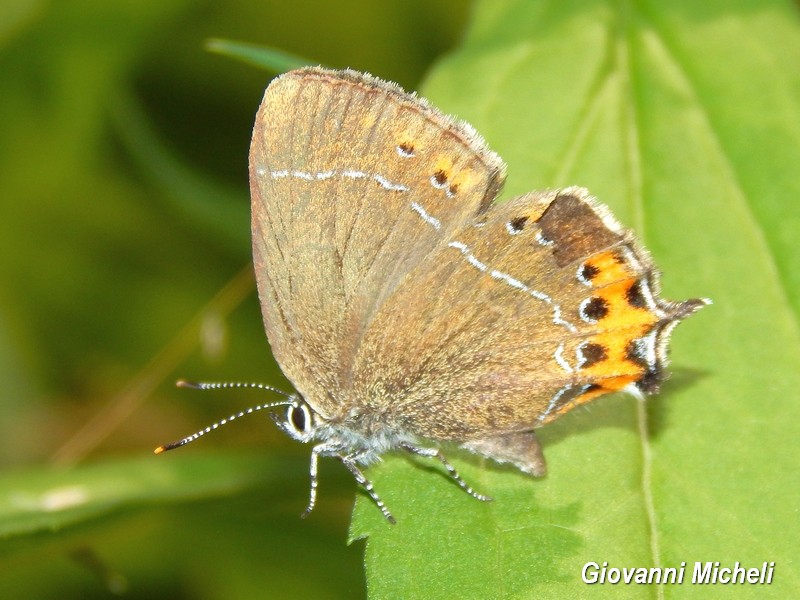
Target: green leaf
<point>262,57</point>
<point>50,499</point>
<point>684,118</point>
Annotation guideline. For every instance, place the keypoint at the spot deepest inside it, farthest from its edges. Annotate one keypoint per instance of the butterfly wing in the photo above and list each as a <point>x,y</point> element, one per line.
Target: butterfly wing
<point>353,184</point>
<point>539,305</point>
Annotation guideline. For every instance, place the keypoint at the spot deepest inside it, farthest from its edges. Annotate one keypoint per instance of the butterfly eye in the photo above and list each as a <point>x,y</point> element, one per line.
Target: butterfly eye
<point>298,420</point>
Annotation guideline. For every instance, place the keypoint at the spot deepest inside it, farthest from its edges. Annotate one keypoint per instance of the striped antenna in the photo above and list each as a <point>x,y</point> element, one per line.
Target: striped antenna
<point>220,386</point>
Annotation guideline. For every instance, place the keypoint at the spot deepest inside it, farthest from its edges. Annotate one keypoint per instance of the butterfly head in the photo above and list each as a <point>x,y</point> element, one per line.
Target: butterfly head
<point>298,422</point>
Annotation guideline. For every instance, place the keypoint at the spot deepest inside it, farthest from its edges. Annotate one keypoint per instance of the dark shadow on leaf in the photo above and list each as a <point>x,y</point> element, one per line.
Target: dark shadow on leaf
<point>611,412</point>
<point>658,406</point>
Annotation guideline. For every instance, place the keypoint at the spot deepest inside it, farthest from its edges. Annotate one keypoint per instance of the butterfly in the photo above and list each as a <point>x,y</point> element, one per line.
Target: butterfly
<point>409,309</point>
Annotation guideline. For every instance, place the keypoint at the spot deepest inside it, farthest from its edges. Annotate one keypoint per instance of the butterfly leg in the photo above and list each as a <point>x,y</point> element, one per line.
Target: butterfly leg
<point>436,453</point>
<point>350,462</point>
<point>316,452</point>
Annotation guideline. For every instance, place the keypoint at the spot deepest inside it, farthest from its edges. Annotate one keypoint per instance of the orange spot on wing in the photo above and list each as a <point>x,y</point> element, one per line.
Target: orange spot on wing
<point>616,362</point>
<point>611,268</point>
<point>443,164</point>
<point>621,315</point>
<point>606,386</point>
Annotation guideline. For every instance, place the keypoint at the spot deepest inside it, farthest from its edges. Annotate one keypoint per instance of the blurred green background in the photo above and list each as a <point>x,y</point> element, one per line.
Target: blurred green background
<point>124,251</point>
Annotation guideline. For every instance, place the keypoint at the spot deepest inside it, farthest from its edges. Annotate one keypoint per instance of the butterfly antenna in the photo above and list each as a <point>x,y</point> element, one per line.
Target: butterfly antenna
<point>218,386</point>
<point>227,385</point>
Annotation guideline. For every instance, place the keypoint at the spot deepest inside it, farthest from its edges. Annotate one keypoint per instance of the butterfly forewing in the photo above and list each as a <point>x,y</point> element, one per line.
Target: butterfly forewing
<point>354,184</point>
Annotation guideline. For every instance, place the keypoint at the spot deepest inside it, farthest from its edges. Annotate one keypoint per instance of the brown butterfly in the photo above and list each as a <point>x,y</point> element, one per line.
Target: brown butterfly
<point>408,309</point>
